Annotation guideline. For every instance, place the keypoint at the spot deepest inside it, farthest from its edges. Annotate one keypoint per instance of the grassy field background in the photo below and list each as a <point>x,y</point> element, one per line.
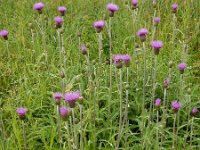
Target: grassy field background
<point>25,81</point>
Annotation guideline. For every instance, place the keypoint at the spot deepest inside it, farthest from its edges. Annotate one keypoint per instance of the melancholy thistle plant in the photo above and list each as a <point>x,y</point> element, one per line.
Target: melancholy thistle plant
<point>21,111</point>
<point>193,113</point>
<point>134,4</point>
<point>176,105</point>
<point>4,35</point>
<point>62,10</point>
<point>58,21</point>
<point>57,97</point>
<point>71,98</point>
<point>157,104</point>
<point>112,8</point>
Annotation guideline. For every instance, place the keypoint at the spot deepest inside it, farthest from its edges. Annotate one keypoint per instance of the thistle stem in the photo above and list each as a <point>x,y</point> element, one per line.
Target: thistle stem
<point>157,131</point>
<point>81,125</point>
<point>110,46</point>
<point>127,105</point>
<point>7,47</point>
<point>24,134</point>
<point>68,133</point>
<point>120,118</point>
<point>174,132</point>
<point>59,128</point>
<point>33,42</point>
<point>191,133</point>
<point>74,128</point>
<point>173,35</point>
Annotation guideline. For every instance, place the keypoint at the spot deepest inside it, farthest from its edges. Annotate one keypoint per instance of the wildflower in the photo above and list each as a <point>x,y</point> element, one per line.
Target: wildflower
<point>57,97</point>
<point>182,67</point>
<point>117,59</point>
<point>157,103</point>
<point>21,112</point>
<point>112,8</point>
<point>38,6</point>
<point>134,4</point>
<point>174,8</point>
<point>156,45</point>
<point>98,25</point>
<point>194,111</point>
<point>64,112</point>
<point>166,83</point>
<point>62,10</point>
<point>58,21</point>
<point>142,34</point>
<point>72,97</point>
<point>126,59</point>
<point>176,105</point>
<point>4,34</point>
<point>156,21</point>
<point>83,49</point>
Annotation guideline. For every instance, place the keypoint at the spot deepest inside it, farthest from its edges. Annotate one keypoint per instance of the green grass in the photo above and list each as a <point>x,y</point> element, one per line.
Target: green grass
<point>28,83</point>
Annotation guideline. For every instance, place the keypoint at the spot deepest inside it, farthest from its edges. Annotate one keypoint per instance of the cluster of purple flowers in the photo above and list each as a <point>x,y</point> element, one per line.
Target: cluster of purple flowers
<point>120,59</point>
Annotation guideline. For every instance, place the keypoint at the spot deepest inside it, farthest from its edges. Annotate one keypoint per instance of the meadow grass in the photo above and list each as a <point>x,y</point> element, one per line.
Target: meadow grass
<point>26,80</point>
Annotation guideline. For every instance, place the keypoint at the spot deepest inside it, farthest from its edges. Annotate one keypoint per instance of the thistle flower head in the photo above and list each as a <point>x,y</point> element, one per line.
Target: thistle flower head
<point>156,21</point>
<point>182,67</point>
<point>38,6</point>
<point>176,105</point>
<point>62,10</point>
<point>21,112</point>
<point>117,59</point>
<point>4,34</point>
<point>83,49</point>
<point>98,25</point>
<point>126,59</point>
<point>142,34</point>
<point>174,8</point>
<point>156,45</point>
<point>64,112</point>
<point>166,83</point>
<point>135,4</point>
<point>194,111</point>
<point>57,97</point>
<point>72,97</point>
<point>58,21</point>
<point>112,8</point>
<point>157,103</point>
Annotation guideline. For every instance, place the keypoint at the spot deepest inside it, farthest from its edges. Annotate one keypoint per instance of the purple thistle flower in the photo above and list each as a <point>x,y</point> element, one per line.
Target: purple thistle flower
<point>72,97</point>
<point>58,21</point>
<point>174,8</point>
<point>135,4</point>
<point>21,112</point>
<point>64,112</point>
<point>194,111</point>
<point>142,34</point>
<point>4,34</point>
<point>182,67</point>
<point>62,10</point>
<point>38,6</point>
<point>98,25</point>
<point>57,97</point>
<point>157,103</point>
<point>156,45</point>
<point>126,59</point>
<point>176,105</point>
<point>166,83</point>
<point>117,59</point>
<point>112,8</point>
<point>83,49</point>
<point>156,21</point>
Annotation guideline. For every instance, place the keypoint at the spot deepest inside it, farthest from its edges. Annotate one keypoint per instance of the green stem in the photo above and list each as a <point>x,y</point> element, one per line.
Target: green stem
<point>74,128</point>
<point>59,128</point>
<point>110,46</point>
<point>157,131</point>
<point>68,137</point>
<point>173,35</point>
<point>24,134</point>
<point>127,105</point>
<point>81,125</point>
<point>7,47</point>
<point>174,132</point>
<point>191,133</point>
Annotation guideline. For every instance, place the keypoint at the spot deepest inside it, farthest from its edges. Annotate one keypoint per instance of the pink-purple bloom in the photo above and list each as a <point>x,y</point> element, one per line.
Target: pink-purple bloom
<point>119,59</point>
<point>64,112</point>
<point>21,112</point>
<point>182,67</point>
<point>174,8</point>
<point>135,4</point>
<point>156,21</point>
<point>112,8</point>
<point>38,6</point>
<point>62,10</point>
<point>194,111</point>
<point>176,105</point>
<point>83,49</point>
<point>156,45</point>
<point>58,21</point>
<point>72,97</point>
<point>157,103</point>
<point>142,34</point>
<point>98,25</point>
<point>126,59</point>
<point>57,97</point>
<point>4,34</point>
